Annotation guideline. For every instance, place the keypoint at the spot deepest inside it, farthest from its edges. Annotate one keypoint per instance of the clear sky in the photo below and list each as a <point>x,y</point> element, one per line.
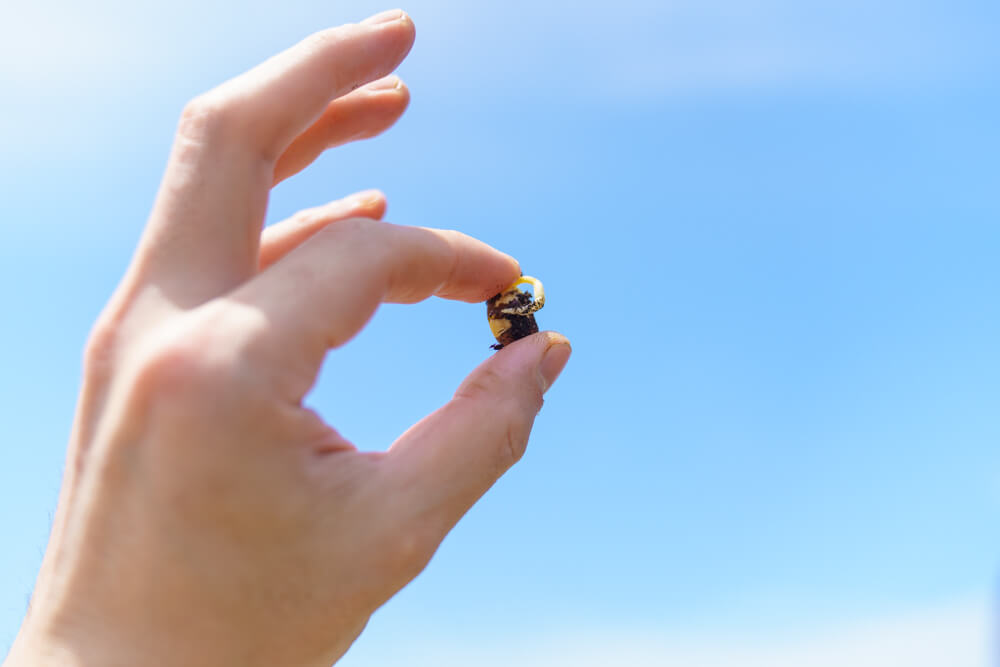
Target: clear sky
<point>769,228</point>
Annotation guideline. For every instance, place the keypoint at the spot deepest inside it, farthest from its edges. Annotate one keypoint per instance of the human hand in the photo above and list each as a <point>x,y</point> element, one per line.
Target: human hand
<point>206,516</point>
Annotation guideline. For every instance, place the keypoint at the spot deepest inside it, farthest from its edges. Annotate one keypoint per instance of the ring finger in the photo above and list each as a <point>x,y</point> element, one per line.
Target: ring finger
<point>362,114</point>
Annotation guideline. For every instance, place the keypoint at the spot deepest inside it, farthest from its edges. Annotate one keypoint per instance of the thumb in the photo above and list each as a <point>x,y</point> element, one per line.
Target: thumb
<point>448,460</point>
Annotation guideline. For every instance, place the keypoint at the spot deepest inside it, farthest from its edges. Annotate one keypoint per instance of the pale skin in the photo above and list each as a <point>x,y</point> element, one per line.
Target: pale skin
<point>206,517</point>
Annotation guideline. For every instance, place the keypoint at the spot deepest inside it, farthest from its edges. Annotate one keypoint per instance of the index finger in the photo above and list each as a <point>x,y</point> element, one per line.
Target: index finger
<point>324,291</point>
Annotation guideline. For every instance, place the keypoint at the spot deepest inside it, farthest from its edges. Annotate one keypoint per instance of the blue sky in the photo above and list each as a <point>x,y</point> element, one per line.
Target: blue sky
<point>769,229</point>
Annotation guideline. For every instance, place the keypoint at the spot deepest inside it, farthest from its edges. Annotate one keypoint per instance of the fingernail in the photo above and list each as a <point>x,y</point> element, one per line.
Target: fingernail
<point>388,83</point>
<point>553,362</point>
<point>384,17</point>
<point>368,198</point>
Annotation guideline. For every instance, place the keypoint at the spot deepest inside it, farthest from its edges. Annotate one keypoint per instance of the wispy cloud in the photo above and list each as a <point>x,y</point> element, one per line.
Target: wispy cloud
<point>678,46</point>
<point>639,47</point>
<point>953,635</point>
<point>731,45</point>
<point>46,44</point>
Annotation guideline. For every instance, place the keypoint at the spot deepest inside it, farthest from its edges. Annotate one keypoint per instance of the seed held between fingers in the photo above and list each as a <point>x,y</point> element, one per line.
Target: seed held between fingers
<point>510,313</point>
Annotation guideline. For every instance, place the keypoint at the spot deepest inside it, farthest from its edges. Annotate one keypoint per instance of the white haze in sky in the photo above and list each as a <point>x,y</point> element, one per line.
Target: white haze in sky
<point>952,635</point>
<point>660,47</point>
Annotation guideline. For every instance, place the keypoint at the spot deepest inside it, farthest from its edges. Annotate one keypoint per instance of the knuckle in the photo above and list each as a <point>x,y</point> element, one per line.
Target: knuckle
<point>361,238</point>
<point>512,447</point>
<point>452,258</point>
<point>513,413</point>
<point>308,217</point>
<point>485,384</point>
<point>326,44</point>
<point>173,368</point>
<point>99,350</point>
<point>411,550</point>
<point>193,358</point>
<point>324,39</point>
<point>361,230</point>
<point>107,342</point>
<point>208,118</point>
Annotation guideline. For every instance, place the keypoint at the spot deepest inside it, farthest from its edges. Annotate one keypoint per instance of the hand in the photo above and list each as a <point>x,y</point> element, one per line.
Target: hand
<point>206,516</point>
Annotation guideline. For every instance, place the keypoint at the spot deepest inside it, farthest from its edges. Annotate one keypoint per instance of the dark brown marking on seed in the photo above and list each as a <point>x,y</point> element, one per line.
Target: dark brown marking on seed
<point>519,326</point>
